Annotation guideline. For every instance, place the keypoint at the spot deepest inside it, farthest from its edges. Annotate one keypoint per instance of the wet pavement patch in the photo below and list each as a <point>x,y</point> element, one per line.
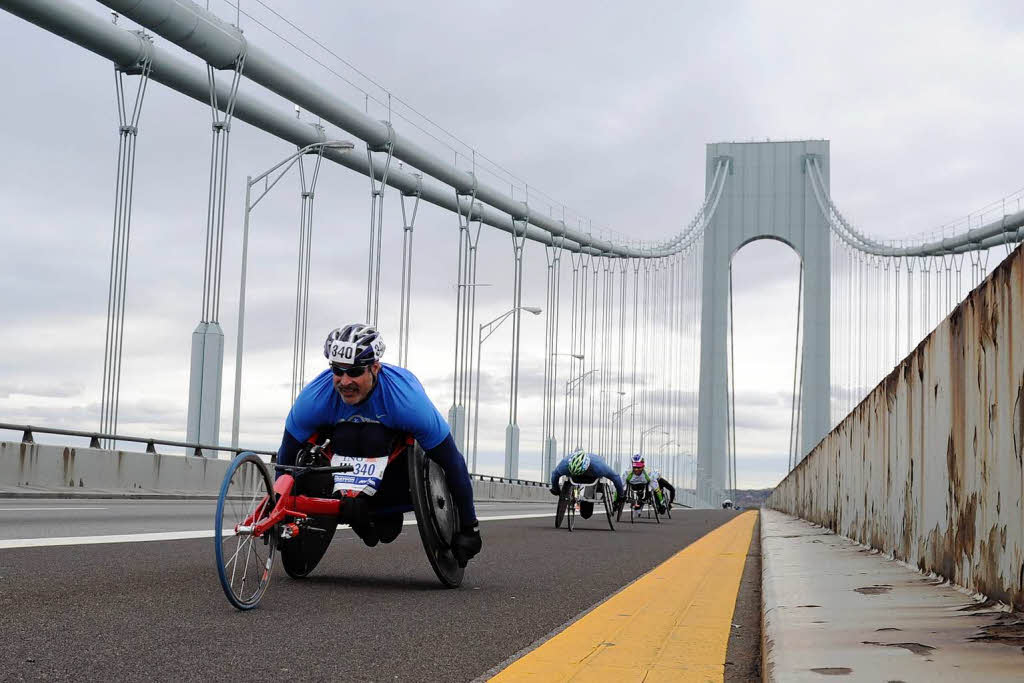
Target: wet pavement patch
<point>833,671</point>
<point>916,648</point>
<point>1007,629</point>
<point>873,590</point>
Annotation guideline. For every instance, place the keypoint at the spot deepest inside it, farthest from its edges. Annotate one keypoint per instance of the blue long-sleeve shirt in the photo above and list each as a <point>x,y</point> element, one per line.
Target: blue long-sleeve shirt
<point>598,468</point>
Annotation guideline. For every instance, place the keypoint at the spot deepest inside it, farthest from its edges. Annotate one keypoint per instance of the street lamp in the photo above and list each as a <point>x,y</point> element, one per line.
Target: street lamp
<point>661,456</point>
<point>570,385</point>
<point>618,430</point>
<point>646,432</point>
<point>492,327</point>
<point>288,162</point>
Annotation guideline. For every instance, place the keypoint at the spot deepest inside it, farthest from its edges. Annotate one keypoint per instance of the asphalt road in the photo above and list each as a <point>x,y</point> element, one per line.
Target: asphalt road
<point>155,610</point>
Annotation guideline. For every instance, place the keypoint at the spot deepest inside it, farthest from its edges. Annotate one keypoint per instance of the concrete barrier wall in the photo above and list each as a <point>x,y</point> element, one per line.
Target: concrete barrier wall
<point>929,466</point>
<point>68,470</point>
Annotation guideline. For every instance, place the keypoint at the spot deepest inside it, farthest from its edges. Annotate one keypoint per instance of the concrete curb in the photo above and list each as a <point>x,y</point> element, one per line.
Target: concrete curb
<point>767,662</point>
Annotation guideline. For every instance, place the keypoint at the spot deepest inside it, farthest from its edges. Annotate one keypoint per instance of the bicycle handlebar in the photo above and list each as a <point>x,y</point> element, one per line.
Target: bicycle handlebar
<point>305,470</point>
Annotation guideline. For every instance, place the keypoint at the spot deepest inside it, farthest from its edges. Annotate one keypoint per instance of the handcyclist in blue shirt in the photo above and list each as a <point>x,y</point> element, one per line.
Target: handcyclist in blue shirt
<point>359,388</point>
<point>586,468</point>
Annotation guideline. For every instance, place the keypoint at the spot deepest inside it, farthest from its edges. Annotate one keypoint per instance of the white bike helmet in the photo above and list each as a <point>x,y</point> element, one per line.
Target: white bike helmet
<point>355,344</point>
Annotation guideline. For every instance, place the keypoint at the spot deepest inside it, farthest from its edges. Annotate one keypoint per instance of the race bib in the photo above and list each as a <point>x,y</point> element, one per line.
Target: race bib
<point>364,478</point>
<point>342,352</point>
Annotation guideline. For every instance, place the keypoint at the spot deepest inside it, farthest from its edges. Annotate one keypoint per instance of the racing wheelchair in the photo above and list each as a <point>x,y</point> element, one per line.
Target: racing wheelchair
<point>298,514</point>
<point>580,493</point>
<point>640,496</point>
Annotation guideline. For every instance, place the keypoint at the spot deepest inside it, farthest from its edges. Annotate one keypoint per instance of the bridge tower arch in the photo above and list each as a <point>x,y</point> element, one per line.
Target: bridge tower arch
<point>767,195</point>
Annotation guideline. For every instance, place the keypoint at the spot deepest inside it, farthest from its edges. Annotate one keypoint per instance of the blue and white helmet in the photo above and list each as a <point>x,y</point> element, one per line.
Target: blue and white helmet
<point>637,460</point>
<point>355,344</point>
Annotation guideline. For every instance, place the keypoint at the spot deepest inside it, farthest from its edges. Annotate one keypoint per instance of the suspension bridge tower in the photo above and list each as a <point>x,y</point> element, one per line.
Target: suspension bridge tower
<point>767,196</point>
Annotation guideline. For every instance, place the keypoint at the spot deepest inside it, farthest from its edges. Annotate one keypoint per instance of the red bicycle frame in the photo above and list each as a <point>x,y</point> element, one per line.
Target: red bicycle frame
<point>300,506</point>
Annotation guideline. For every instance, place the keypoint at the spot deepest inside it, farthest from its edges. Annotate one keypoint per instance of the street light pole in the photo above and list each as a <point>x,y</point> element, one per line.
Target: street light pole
<point>618,442</point>
<point>570,384</point>
<point>492,327</point>
<point>550,444</point>
<point>645,433</point>
<point>250,182</point>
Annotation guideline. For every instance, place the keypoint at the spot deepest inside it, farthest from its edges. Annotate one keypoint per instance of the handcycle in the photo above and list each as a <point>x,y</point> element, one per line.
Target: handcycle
<point>299,513</point>
<point>578,492</point>
<point>639,495</point>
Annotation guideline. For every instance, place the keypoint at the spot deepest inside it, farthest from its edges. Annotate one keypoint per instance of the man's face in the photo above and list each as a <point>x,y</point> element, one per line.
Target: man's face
<point>638,469</point>
<point>355,389</point>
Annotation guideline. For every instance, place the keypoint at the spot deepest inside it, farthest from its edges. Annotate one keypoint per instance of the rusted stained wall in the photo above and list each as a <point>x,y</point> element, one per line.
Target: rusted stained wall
<point>929,465</point>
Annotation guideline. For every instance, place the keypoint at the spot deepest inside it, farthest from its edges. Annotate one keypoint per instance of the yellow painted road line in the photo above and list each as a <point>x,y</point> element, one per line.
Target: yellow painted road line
<point>671,624</point>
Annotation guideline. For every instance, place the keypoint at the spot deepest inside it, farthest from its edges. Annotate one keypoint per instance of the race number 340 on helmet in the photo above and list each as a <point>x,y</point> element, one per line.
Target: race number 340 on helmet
<point>579,462</point>
<point>355,344</point>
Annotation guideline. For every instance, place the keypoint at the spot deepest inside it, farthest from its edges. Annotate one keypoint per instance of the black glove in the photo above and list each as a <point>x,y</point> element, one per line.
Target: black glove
<point>555,491</point>
<point>467,544</point>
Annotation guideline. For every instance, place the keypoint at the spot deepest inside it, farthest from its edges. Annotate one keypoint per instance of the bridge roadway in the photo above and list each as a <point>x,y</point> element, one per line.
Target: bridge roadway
<point>154,610</point>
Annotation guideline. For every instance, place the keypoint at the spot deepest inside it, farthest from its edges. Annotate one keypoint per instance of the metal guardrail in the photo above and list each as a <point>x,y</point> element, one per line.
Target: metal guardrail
<point>503,480</point>
<point>197,449</point>
<point>151,444</point>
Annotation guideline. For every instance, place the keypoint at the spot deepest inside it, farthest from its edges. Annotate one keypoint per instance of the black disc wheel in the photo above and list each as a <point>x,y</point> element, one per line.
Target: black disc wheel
<point>563,503</point>
<point>607,496</point>
<point>300,555</point>
<point>244,561</point>
<point>436,515</point>
<point>570,512</point>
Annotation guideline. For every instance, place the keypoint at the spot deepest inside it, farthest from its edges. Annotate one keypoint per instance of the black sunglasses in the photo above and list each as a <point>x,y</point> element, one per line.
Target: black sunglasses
<point>353,372</point>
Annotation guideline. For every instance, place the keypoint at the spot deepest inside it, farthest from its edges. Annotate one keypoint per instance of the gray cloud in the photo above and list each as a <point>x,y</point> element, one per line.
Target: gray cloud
<point>606,108</point>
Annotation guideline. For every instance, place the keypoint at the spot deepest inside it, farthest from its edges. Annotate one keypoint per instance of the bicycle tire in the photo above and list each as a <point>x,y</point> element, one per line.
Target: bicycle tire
<point>254,490</point>
<point>654,509</point>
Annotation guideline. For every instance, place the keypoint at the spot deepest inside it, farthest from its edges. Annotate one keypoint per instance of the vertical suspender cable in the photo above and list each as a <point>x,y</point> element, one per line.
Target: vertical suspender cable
<point>123,195</point>
<point>796,361</point>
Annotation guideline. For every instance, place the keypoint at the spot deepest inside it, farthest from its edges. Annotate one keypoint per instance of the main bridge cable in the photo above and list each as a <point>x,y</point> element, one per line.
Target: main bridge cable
<point>1005,229</point>
<point>391,98</point>
<point>123,48</point>
<point>206,36</point>
<point>703,215</point>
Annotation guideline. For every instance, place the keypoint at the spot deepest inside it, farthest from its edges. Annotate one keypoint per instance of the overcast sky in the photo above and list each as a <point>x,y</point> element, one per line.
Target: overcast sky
<point>605,107</point>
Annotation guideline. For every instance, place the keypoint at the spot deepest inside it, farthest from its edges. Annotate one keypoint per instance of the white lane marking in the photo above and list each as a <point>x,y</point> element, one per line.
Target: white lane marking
<point>176,535</point>
<point>45,509</point>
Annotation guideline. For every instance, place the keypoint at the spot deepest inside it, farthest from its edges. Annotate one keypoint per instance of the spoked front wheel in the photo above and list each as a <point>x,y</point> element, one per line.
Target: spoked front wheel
<point>436,516</point>
<point>244,561</point>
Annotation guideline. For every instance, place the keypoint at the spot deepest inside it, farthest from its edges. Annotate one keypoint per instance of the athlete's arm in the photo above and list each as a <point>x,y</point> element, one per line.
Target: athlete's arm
<point>446,454</point>
<point>290,447</point>
<point>560,471</point>
<point>606,471</point>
